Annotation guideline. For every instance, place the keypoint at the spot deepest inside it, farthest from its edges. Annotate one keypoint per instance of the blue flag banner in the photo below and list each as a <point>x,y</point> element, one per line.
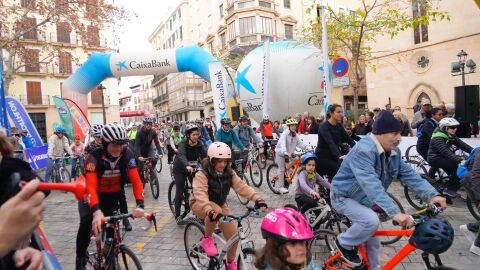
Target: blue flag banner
<point>37,157</point>
<point>3,112</point>
<point>22,120</point>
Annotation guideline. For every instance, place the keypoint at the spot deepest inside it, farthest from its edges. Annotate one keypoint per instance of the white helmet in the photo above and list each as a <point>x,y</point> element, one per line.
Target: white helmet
<point>114,133</point>
<point>96,128</point>
<point>448,122</point>
<point>266,117</point>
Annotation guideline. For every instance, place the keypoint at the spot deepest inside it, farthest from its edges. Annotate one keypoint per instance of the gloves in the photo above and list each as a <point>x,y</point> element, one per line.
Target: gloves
<point>214,216</point>
<point>140,204</point>
<point>259,203</point>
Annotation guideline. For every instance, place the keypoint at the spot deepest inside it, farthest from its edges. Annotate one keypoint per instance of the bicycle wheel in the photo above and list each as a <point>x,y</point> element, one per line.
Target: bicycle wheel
<point>154,186</point>
<point>272,178</point>
<point>337,224</point>
<point>64,176</point>
<point>417,166</point>
<point>127,260</point>
<point>171,196</point>
<point>195,253</point>
<point>256,174</point>
<point>408,152</point>
<point>473,206</point>
<point>323,234</point>
<point>159,165</point>
<point>262,160</point>
<point>387,225</point>
<point>246,259</point>
<point>242,200</point>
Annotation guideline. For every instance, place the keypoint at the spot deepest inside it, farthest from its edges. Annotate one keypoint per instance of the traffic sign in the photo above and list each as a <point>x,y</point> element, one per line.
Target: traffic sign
<point>341,81</point>
<point>340,67</point>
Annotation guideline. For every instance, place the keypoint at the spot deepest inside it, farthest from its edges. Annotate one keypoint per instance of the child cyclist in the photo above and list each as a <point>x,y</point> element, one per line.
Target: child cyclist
<point>211,186</point>
<point>305,195</point>
<point>287,233</point>
<point>78,150</point>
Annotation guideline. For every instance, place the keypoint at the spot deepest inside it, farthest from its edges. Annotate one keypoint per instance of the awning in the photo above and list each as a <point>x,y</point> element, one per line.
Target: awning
<point>132,113</point>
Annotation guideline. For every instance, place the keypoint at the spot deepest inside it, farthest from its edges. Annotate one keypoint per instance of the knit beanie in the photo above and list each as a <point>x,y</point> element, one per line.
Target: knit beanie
<point>386,123</point>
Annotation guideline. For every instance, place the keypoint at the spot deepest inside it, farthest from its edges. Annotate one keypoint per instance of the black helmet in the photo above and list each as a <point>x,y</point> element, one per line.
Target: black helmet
<point>148,120</point>
<point>176,127</point>
<point>226,121</point>
<point>243,118</point>
<point>433,236</point>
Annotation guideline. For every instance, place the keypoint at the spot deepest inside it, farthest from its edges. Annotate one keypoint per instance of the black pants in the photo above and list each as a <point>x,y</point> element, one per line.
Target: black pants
<point>171,153</point>
<point>180,178</point>
<point>266,144</point>
<point>450,167</point>
<point>122,202</point>
<point>151,154</point>
<point>108,204</point>
<point>305,202</point>
<point>424,154</point>
<point>327,167</point>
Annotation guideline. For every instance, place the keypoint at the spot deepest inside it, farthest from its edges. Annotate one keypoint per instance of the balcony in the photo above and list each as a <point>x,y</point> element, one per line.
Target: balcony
<point>186,106</point>
<point>35,101</point>
<point>37,69</point>
<point>160,99</point>
<point>243,5</point>
<point>72,40</point>
<point>243,44</point>
<point>157,78</point>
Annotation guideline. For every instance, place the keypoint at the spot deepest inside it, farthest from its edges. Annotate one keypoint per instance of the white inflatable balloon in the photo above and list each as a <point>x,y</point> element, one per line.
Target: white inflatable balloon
<point>295,77</point>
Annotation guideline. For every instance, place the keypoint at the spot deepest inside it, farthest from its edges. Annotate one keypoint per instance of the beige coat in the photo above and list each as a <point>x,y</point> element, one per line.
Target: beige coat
<point>57,146</point>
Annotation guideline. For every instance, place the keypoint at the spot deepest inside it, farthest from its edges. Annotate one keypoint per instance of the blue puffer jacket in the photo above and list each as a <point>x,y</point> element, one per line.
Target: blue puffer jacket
<point>229,138</point>
<point>366,174</point>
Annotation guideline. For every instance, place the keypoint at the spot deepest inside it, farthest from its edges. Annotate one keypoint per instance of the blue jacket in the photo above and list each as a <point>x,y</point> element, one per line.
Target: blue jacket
<point>27,141</point>
<point>246,134</point>
<point>364,176</point>
<point>229,138</point>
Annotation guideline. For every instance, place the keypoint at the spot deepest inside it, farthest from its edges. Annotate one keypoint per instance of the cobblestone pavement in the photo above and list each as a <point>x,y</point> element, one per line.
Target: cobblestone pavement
<point>165,249</point>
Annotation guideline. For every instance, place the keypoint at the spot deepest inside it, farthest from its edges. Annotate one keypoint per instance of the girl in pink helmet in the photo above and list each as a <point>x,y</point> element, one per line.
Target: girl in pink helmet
<point>211,186</point>
<point>287,233</point>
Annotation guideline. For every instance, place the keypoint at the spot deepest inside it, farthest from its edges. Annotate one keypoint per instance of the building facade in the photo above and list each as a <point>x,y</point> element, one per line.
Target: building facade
<point>417,63</point>
<point>37,80</point>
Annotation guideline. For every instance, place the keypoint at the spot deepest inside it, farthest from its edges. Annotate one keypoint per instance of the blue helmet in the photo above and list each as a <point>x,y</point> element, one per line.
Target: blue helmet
<point>308,156</point>
<point>60,129</point>
<point>433,236</point>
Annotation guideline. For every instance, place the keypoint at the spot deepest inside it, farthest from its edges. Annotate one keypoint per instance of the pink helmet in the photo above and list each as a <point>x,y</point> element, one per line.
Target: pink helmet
<point>219,150</point>
<point>286,224</point>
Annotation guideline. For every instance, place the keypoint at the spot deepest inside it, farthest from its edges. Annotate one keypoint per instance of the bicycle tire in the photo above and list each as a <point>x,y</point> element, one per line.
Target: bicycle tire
<point>402,210</point>
<point>272,177</point>
<point>159,166</point>
<point>247,261</point>
<point>473,207</point>
<point>154,185</point>
<point>122,259</point>
<point>66,175</point>
<point>191,239</point>
<point>407,152</point>
<point>255,170</point>
<point>326,233</point>
<point>262,161</point>
<point>417,166</point>
<point>242,200</point>
<point>184,209</point>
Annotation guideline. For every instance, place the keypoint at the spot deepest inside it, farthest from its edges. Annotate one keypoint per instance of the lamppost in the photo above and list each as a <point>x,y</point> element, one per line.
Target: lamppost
<point>458,68</point>
<point>101,87</point>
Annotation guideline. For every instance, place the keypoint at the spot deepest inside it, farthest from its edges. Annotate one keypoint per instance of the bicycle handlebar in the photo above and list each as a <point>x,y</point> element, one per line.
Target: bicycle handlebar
<point>250,209</point>
<point>424,214</point>
<point>151,217</point>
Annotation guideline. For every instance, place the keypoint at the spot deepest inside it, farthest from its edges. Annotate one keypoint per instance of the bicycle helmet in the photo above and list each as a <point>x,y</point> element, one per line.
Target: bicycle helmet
<point>307,157</point>
<point>226,121</point>
<point>292,121</point>
<point>96,128</point>
<point>266,117</point>
<point>190,128</point>
<point>76,137</point>
<point>113,133</point>
<point>199,121</point>
<point>60,129</point>
<point>243,118</point>
<point>448,122</point>
<point>148,120</point>
<point>176,127</point>
<point>433,236</point>
<point>97,134</point>
<point>286,224</point>
<point>219,150</point>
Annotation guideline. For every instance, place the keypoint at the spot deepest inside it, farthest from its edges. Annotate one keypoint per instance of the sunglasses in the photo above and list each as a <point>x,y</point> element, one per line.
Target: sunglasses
<point>453,127</point>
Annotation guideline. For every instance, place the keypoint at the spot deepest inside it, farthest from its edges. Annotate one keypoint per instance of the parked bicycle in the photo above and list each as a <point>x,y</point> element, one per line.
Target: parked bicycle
<point>149,175</point>
<point>110,253</point>
<point>196,255</point>
<point>59,171</point>
<point>184,206</point>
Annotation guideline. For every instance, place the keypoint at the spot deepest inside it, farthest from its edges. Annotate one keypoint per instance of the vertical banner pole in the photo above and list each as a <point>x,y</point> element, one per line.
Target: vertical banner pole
<point>265,76</point>
<point>327,95</point>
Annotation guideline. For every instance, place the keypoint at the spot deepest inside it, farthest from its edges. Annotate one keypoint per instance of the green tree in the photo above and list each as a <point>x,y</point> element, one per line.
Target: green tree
<point>353,33</point>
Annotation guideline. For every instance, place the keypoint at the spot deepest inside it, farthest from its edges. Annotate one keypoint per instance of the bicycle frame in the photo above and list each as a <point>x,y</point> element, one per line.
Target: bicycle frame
<point>295,165</point>
<point>114,250</point>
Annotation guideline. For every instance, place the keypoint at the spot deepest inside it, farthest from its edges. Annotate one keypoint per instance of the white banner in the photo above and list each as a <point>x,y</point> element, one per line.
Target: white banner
<point>265,76</point>
<point>131,64</point>
<point>327,96</point>
<point>218,82</point>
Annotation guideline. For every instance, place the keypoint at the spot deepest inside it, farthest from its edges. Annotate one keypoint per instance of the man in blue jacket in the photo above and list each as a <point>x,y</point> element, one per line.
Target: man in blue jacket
<point>226,135</point>
<point>361,183</point>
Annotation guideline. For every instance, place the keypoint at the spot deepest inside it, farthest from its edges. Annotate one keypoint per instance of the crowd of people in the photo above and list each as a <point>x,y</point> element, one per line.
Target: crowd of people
<point>355,161</point>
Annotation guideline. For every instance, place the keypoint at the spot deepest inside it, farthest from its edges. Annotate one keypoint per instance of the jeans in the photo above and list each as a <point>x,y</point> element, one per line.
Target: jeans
<point>74,167</point>
<point>48,173</point>
<point>364,224</point>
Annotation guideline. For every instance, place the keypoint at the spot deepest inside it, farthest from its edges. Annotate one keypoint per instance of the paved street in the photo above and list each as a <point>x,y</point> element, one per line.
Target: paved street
<point>165,249</point>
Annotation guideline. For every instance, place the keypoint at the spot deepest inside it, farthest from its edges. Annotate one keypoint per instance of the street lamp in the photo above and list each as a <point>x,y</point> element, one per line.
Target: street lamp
<point>101,87</point>
<point>458,68</point>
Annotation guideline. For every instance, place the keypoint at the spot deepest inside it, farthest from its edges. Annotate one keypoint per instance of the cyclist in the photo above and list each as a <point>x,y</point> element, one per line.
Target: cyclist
<point>331,135</point>
<point>57,145</point>
<point>143,143</point>
<point>441,156</point>
<point>266,128</point>
<point>211,127</point>
<point>361,183</point>
<point>226,135</point>
<point>78,150</point>
<point>424,135</point>
<point>277,129</point>
<point>175,139</point>
<point>305,195</point>
<point>204,137</point>
<point>190,149</point>
<point>107,169</point>
<point>132,134</point>
<point>96,143</point>
<point>285,149</point>
<point>246,134</point>
<point>287,233</point>
<point>211,186</point>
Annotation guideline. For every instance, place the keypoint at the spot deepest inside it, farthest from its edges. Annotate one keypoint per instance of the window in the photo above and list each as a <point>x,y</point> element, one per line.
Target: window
<point>91,6</point>
<point>420,33</point>
<point>221,10</point>
<point>179,14</point>
<point>96,96</point>
<point>61,5</point>
<point>267,25</point>
<point>32,61</point>
<point>286,4</point>
<point>39,121</point>
<point>28,23</point>
<point>93,37</point>
<point>288,31</point>
<point>231,31</point>
<point>247,25</point>
<point>27,3</point>
<point>222,40</point>
<point>65,63</point>
<point>34,93</point>
<point>210,46</point>
<point>63,32</point>
<point>181,33</point>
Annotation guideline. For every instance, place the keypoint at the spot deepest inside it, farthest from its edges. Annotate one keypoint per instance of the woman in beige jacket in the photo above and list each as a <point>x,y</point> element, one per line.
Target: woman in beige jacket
<point>211,186</point>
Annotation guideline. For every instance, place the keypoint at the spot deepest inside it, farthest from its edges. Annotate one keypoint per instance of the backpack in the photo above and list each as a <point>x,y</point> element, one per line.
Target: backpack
<point>420,128</point>
<point>463,170</point>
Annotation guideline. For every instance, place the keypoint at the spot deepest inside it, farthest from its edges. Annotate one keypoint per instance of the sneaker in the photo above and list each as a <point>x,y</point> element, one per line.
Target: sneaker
<point>283,190</point>
<point>209,246</point>
<point>80,263</point>
<point>450,193</point>
<point>127,225</point>
<point>469,234</point>
<point>474,226</point>
<point>349,255</point>
<point>474,249</point>
<point>232,265</point>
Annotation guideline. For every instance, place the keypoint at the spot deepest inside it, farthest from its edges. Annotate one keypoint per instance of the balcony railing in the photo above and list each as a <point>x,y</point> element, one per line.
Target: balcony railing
<point>97,100</point>
<point>71,39</point>
<point>160,99</point>
<point>40,68</point>
<point>157,78</point>
<point>36,100</point>
<point>239,5</point>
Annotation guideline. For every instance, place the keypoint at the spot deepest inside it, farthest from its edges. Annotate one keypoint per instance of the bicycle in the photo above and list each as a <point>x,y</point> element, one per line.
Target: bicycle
<point>184,206</point>
<point>114,255</point>
<point>194,231</point>
<point>262,159</point>
<point>239,170</point>
<point>253,167</point>
<point>419,217</point>
<point>159,166</point>
<point>290,171</point>
<point>150,176</point>
<point>79,165</point>
<point>59,172</point>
